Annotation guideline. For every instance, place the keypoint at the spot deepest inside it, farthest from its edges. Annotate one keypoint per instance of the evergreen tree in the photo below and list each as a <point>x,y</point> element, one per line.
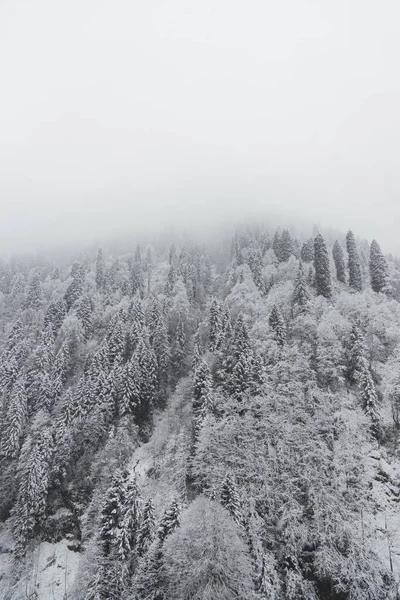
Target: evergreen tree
<point>84,313</point>
<point>169,521</point>
<point>215,325</point>
<point>322,268</point>
<point>338,257</point>
<point>241,342</point>
<point>34,298</point>
<point>355,279</point>
<point>370,399</point>
<point>75,289</point>
<point>128,533</point>
<point>378,269</point>
<point>202,395</point>
<point>100,270</point>
<point>33,475</point>
<point>137,274</point>
<point>277,323</point>
<point>356,354</point>
<point>241,377</point>
<point>276,245</point>
<point>300,296</point>
<point>230,499</point>
<point>112,513</point>
<point>55,315</point>
<point>307,251</point>
<point>15,421</point>
<point>286,246</point>
<point>146,530</point>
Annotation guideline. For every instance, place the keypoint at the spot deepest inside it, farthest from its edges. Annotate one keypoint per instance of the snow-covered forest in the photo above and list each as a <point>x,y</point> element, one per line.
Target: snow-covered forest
<point>193,421</point>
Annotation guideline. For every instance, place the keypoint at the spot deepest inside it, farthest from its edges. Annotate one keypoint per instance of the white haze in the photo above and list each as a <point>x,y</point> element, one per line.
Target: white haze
<point>125,116</point>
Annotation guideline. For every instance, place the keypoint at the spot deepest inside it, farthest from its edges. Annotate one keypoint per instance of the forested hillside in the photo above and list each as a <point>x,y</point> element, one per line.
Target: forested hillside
<point>202,422</point>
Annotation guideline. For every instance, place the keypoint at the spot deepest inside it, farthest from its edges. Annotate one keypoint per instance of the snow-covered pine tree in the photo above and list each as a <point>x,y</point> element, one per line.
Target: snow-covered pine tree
<point>378,269</point>
<point>300,296</point>
<point>338,257</point>
<point>307,251</point>
<point>230,499</point>
<point>277,323</point>
<point>322,268</point>
<point>100,270</point>
<point>146,529</point>
<point>15,421</point>
<point>215,325</point>
<point>355,279</point>
<point>286,246</point>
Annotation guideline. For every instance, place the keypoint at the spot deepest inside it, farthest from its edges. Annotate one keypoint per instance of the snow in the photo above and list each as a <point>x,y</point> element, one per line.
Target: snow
<point>50,571</point>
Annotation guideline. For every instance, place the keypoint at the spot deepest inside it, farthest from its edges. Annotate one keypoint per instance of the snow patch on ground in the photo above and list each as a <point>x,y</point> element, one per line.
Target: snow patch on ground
<point>49,575</point>
<point>384,476</point>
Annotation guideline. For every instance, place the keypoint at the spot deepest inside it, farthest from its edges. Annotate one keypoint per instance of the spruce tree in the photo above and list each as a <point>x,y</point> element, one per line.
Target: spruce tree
<point>322,268</point>
<point>286,246</point>
<point>215,325</point>
<point>338,257</point>
<point>146,530</point>
<point>112,513</point>
<point>169,521</point>
<point>356,354</point>
<point>230,499</point>
<point>378,269</point>
<point>300,296</point>
<point>355,279</point>
<point>15,421</point>
<point>34,298</point>
<point>276,245</point>
<point>307,251</point>
<point>100,270</point>
<point>277,323</point>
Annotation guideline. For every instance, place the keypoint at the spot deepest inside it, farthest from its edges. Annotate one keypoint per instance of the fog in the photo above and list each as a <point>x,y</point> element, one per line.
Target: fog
<point>120,116</point>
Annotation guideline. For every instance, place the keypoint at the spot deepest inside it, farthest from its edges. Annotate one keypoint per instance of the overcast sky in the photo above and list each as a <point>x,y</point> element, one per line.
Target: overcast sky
<point>126,114</point>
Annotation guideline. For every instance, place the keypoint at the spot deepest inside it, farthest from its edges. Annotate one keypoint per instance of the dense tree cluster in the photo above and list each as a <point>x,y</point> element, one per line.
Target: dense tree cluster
<point>199,422</point>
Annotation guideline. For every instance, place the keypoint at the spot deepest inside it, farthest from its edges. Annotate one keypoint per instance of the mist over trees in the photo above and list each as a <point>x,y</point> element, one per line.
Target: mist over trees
<point>194,421</point>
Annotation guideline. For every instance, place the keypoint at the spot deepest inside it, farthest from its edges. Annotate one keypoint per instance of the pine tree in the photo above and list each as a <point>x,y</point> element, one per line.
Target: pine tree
<point>75,289</point>
<point>356,355</point>
<point>300,296</point>
<point>55,315</point>
<point>241,342</point>
<point>15,421</point>
<point>370,398</point>
<point>128,533</point>
<point>322,268</point>
<point>171,280</point>
<point>84,313</point>
<point>169,521</point>
<point>241,377</point>
<point>137,274</point>
<point>34,298</point>
<point>230,499</point>
<point>202,395</point>
<point>277,323</point>
<point>112,513</point>
<point>307,251</point>
<point>146,530</point>
<point>33,475</point>
<point>276,245</point>
<point>100,270</point>
<point>355,279</point>
<point>286,246</point>
<point>215,325</point>
<point>338,257</point>
<point>378,269</point>
<point>180,349</point>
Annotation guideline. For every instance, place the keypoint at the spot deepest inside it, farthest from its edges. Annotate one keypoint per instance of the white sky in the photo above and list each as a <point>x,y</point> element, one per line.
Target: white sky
<point>128,114</point>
